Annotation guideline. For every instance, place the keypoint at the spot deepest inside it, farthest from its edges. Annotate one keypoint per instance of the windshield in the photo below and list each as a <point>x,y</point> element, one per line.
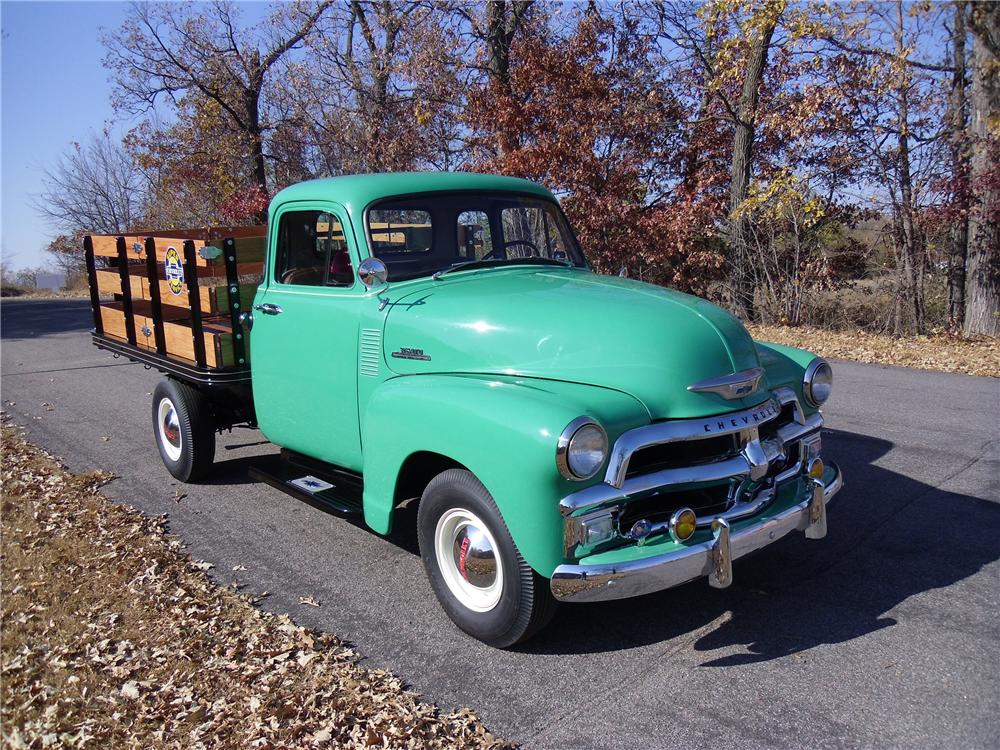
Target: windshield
<point>424,234</point>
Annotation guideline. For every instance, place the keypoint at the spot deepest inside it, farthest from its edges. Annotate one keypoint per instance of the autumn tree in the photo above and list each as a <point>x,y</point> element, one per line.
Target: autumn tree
<point>177,54</point>
<point>589,116</point>
<point>377,88</point>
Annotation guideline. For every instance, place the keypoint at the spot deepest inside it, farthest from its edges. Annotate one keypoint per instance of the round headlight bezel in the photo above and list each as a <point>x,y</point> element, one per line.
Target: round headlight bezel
<point>564,448</point>
<point>809,379</point>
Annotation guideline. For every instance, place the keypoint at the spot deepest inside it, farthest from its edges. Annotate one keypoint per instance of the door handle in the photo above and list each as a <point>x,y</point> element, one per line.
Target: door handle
<point>268,309</point>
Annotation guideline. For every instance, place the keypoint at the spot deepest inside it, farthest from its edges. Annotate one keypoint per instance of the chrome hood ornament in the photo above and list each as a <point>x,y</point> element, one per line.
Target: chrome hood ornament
<point>737,385</point>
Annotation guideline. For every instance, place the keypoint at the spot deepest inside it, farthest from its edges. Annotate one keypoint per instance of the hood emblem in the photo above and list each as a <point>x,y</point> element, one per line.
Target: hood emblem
<point>737,385</point>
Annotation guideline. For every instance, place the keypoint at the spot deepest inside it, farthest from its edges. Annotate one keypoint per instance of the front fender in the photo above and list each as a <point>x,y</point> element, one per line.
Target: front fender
<point>786,366</point>
<point>502,429</point>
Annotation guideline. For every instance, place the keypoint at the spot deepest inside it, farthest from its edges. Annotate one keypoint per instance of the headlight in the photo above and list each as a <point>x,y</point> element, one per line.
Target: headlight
<point>818,382</point>
<point>582,449</point>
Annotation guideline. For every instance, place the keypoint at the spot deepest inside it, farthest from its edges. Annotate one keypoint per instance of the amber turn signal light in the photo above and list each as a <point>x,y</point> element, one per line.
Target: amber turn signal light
<point>683,524</point>
<point>816,468</point>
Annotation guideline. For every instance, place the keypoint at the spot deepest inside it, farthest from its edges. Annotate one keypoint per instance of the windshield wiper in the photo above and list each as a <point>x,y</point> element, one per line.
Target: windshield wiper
<point>483,263</point>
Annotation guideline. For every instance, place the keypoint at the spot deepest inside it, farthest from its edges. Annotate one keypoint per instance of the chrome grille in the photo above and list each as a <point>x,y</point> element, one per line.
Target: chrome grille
<point>727,465</point>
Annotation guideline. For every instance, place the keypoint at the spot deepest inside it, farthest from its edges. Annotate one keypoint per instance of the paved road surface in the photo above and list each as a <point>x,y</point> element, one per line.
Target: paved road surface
<point>886,633</point>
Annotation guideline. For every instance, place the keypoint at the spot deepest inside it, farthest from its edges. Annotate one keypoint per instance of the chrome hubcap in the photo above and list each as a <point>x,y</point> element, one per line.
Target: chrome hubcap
<point>468,561</point>
<point>170,428</point>
<point>474,556</point>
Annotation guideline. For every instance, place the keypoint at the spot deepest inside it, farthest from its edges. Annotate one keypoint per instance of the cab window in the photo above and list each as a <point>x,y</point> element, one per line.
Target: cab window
<point>312,250</point>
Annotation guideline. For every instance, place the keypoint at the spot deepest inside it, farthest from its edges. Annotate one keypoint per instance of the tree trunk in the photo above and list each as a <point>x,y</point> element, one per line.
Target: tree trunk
<point>256,137</point>
<point>741,279</point>
<point>959,240</point>
<point>909,233</point>
<point>503,19</point>
<point>982,292</point>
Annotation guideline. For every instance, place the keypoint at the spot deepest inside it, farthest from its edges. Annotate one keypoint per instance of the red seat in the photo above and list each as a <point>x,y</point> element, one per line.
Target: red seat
<point>340,268</point>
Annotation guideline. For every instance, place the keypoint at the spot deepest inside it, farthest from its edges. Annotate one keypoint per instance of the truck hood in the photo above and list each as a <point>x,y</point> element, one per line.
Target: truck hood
<point>571,325</point>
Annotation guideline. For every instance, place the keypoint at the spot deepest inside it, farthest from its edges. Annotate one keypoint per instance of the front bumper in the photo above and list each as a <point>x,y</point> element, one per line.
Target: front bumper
<point>713,558</point>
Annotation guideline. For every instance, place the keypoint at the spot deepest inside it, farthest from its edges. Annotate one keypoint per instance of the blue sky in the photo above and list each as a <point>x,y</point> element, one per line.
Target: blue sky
<point>54,91</point>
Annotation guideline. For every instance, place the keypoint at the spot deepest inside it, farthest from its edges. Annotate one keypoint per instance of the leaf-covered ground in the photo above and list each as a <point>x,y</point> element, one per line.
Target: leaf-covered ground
<point>112,637</point>
<point>971,356</point>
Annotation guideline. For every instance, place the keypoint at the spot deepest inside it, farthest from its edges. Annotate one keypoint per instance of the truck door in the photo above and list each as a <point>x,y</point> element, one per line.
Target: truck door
<point>304,340</point>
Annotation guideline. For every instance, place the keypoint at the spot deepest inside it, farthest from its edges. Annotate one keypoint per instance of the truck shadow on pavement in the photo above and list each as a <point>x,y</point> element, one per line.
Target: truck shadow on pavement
<point>890,537</point>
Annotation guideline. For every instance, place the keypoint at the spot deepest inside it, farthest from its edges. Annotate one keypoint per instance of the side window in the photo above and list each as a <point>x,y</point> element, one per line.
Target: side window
<point>312,250</point>
<point>474,240</point>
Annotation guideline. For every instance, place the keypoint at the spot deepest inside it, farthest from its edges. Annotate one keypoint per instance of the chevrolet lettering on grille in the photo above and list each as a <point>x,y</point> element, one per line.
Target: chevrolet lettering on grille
<point>765,412</point>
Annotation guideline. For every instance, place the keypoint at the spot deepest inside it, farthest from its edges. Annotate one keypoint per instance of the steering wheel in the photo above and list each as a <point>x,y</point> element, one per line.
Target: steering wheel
<point>534,248</point>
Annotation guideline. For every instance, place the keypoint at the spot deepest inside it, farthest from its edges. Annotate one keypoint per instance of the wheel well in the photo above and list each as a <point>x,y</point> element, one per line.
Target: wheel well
<point>416,472</point>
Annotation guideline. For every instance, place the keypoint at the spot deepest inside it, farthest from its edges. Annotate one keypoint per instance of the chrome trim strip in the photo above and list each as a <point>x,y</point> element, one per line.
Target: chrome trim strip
<point>590,583</point>
<point>600,494</point>
<point>684,429</point>
<point>737,385</point>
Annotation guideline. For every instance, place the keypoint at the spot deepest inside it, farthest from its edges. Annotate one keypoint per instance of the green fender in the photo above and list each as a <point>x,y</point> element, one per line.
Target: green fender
<point>502,429</point>
<point>786,366</point>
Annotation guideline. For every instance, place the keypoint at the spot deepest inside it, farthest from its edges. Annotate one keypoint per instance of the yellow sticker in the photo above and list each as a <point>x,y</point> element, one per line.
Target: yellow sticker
<point>175,270</point>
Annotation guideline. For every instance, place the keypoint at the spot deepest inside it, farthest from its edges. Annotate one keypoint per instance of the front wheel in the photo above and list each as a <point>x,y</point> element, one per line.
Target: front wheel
<point>184,430</point>
<point>475,569</point>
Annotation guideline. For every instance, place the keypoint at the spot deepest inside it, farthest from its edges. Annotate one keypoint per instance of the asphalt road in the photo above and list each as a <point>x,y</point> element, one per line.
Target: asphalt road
<point>884,634</point>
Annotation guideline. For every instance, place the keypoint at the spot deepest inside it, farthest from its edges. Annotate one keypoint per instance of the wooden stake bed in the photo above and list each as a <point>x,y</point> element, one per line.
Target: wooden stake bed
<point>174,299</point>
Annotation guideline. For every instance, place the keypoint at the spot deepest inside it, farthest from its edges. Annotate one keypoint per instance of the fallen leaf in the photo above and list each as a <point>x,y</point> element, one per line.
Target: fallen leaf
<point>130,690</point>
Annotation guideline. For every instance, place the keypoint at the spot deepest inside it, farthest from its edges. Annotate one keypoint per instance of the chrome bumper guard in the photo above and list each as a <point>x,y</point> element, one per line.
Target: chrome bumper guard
<point>714,558</point>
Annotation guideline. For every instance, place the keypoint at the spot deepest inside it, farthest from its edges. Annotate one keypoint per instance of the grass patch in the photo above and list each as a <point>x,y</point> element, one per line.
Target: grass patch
<point>971,356</point>
<point>110,636</point>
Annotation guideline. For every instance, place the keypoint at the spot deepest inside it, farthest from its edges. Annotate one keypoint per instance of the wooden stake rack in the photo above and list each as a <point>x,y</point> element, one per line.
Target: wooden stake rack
<point>176,299</point>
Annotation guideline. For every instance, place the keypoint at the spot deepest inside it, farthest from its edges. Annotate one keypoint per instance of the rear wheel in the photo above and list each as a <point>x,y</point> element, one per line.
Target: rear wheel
<point>475,569</point>
<point>184,430</point>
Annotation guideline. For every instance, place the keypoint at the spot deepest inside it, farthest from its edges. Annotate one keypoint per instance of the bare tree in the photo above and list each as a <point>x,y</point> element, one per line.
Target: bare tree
<point>378,90</point>
<point>164,51</point>
<point>495,25</point>
<point>93,188</point>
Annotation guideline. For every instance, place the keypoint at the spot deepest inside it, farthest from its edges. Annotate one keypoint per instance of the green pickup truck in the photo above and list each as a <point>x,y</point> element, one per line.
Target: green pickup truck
<point>439,339</point>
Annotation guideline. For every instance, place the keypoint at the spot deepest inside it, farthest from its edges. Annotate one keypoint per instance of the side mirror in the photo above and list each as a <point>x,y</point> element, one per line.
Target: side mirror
<point>373,273</point>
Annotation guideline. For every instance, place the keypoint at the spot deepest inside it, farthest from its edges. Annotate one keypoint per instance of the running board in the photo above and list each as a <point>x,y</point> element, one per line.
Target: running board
<point>320,484</point>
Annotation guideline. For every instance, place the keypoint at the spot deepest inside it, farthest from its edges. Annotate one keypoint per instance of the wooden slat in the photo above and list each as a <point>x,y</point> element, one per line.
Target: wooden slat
<point>214,298</point>
<point>248,249</point>
<point>177,334</point>
<point>109,282</point>
<point>113,321</point>
<point>180,344</point>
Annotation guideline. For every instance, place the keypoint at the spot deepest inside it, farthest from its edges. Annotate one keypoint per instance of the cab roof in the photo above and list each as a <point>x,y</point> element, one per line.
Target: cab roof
<point>355,192</point>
